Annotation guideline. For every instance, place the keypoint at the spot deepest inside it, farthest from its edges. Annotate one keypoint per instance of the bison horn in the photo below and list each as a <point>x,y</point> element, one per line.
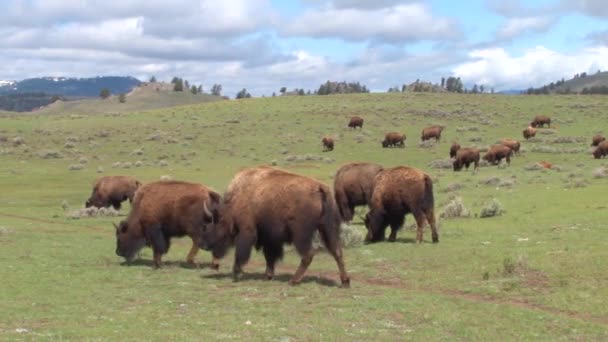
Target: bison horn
<point>207,211</point>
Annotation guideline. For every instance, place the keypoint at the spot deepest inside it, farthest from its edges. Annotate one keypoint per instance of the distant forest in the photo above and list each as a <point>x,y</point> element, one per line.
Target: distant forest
<point>26,102</point>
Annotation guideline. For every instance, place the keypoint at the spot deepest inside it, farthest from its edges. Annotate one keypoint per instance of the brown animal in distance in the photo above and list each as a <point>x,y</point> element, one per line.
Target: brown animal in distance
<point>511,143</point>
<point>328,144</point>
<point>541,121</point>
<point>597,139</point>
<point>432,132</point>
<point>601,150</point>
<point>453,149</point>
<point>355,122</point>
<point>112,191</point>
<point>162,210</point>
<point>529,132</point>
<point>465,157</point>
<point>267,207</point>
<point>393,139</point>
<point>353,186</point>
<point>498,152</point>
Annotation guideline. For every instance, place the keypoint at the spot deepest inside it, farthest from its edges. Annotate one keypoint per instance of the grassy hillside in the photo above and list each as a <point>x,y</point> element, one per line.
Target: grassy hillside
<point>145,97</point>
<point>537,272</point>
<point>577,85</point>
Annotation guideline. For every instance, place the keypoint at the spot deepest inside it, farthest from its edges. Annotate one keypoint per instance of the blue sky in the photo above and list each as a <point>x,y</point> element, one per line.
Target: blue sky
<point>263,45</point>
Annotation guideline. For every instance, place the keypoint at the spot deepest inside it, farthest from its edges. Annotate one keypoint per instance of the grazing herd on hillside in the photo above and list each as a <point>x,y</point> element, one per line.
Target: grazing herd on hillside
<point>267,207</point>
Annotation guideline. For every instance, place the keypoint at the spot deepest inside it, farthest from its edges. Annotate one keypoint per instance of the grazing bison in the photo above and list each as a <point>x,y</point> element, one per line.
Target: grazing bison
<point>597,139</point>
<point>267,207</point>
<point>529,132</point>
<point>540,121</point>
<point>355,122</point>
<point>432,132</point>
<point>512,144</point>
<point>393,139</point>
<point>465,157</point>
<point>453,149</point>
<point>399,191</point>
<point>162,210</point>
<point>328,143</point>
<point>353,186</point>
<point>497,152</point>
<point>601,150</point>
<point>112,191</point>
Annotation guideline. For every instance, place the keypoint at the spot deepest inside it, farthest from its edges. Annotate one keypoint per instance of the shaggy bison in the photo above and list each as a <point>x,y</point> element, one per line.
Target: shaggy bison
<point>399,191</point>
<point>393,139</point>
<point>353,186</point>
<point>328,144</point>
<point>540,121</point>
<point>453,149</point>
<point>529,132</point>
<point>112,191</point>
<point>601,150</point>
<point>512,144</point>
<point>597,139</point>
<point>498,152</point>
<point>465,157</point>
<point>162,210</point>
<point>267,207</point>
<point>432,132</point>
<point>355,122</point>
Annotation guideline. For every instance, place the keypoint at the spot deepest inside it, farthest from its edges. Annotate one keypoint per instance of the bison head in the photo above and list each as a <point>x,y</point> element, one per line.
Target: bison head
<point>376,225</point>
<point>93,201</point>
<point>457,164</point>
<point>385,143</point>
<point>597,153</point>
<point>128,242</point>
<point>218,232</point>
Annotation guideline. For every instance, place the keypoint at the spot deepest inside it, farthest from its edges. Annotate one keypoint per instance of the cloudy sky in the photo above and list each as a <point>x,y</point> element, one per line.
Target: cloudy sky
<point>265,44</point>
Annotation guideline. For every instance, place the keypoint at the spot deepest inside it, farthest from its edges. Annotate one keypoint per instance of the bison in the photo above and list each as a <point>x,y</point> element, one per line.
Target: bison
<point>512,144</point>
<point>162,210</point>
<point>112,191</point>
<point>601,150</point>
<point>597,139</point>
<point>353,186</point>
<point>355,122</point>
<point>540,121</point>
<point>432,132</point>
<point>393,139</point>
<point>498,152</point>
<point>453,149</point>
<point>465,157</point>
<point>529,132</point>
<point>399,191</point>
<point>328,144</point>
<point>267,207</point>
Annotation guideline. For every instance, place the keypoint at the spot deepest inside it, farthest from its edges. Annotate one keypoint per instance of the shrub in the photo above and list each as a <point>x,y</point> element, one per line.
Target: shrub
<point>533,167</point>
<point>453,187</point>
<point>427,144</point>
<point>601,172</point>
<point>491,180</point>
<point>445,163</point>
<point>49,154</point>
<point>139,163</point>
<point>75,167</point>
<point>100,169</point>
<point>491,209</point>
<point>350,236</point>
<point>92,212</point>
<point>163,163</point>
<point>454,208</point>
<point>17,141</point>
<point>83,160</point>
<point>69,145</point>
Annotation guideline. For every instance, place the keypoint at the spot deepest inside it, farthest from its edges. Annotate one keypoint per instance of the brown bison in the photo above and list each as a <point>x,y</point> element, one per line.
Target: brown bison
<point>328,144</point>
<point>393,139</point>
<point>512,144</point>
<point>432,132</point>
<point>112,191</point>
<point>399,191</point>
<point>540,121</point>
<point>597,139</point>
<point>529,132</point>
<point>162,210</point>
<point>353,186</point>
<point>355,122</point>
<point>267,207</point>
<point>498,152</point>
<point>453,149</point>
<point>601,150</point>
<point>465,157</point>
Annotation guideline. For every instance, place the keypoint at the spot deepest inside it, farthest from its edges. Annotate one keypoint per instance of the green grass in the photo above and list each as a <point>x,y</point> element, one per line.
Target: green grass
<point>535,273</point>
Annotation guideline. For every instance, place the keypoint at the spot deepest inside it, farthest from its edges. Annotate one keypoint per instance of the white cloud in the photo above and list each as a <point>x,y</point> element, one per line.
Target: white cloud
<point>536,67</point>
<point>363,4</point>
<point>515,27</point>
<point>594,8</point>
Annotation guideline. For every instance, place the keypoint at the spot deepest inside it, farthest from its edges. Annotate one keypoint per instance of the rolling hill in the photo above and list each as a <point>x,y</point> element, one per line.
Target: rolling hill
<point>574,85</point>
<point>70,87</point>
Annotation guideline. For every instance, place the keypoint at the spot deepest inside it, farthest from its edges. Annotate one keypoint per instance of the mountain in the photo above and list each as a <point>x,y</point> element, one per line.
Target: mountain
<point>580,83</point>
<point>70,87</point>
<point>511,92</point>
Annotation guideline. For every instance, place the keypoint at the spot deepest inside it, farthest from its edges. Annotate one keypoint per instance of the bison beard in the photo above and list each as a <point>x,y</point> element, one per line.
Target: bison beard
<point>267,208</point>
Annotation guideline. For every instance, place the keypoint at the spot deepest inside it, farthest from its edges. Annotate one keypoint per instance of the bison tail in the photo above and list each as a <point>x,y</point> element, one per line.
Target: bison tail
<point>330,219</point>
<point>429,197</point>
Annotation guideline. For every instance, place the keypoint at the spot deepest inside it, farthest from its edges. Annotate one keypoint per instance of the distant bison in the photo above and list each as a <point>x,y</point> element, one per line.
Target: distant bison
<point>112,191</point>
<point>393,139</point>
<point>355,122</point>
<point>597,139</point>
<point>432,132</point>
<point>162,210</point>
<point>328,143</point>
<point>540,121</point>
<point>498,152</point>
<point>453,149</point>
<point>267,207</point>
<point>353,186</point>
<point>399,191</point>
<point>511,143</point>
<point>601,150</point>
<point>465,157</point>
<point>529,132</point>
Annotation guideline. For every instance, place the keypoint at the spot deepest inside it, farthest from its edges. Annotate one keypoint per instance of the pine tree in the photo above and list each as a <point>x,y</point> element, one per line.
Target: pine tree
<point>122,98</point>
<point>104,93</point>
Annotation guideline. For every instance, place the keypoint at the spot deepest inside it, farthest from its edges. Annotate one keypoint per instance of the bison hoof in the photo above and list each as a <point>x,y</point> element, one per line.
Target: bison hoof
<point>215,267</point>
<point>392,239</point>
<point>293,282</point>
<point>346,283</point>
<point>435,240</point>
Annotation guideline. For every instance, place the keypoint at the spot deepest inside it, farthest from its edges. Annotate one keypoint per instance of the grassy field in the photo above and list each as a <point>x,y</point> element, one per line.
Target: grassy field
<point>536,272</point>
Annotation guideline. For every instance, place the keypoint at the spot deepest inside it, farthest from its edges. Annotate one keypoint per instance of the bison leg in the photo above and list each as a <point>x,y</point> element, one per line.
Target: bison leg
<point>272,253</point>
<point>304,263</point>
<point>331,239</point>
<point>159,244</point>
<point>430,216</point>
<point>243,245</point>
<point>192,253</point>
<point>395,226</point>
<point>420,218</point>
<point>116,205</point>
